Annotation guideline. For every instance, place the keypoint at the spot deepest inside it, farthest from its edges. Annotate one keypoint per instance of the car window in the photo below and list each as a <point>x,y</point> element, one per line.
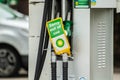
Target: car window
<point>5,14</point>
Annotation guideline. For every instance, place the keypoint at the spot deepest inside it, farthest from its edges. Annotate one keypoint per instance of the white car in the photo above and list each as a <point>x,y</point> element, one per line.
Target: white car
<point>13,41</point>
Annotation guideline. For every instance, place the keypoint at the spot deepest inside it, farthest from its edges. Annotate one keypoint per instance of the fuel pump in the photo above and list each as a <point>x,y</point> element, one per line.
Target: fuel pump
<point>58,39</point>
<point>81,44</point>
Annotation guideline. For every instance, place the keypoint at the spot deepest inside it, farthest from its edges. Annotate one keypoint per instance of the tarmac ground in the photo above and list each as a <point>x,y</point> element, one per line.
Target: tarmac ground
<point>24,76</point>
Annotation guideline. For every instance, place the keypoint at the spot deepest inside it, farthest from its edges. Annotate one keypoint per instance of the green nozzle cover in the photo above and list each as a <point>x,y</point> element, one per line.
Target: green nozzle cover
<point>67,26</point>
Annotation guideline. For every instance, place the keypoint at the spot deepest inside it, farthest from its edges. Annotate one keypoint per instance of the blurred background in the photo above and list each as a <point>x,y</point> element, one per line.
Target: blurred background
<point>14,40</point>
<point>19,5</point>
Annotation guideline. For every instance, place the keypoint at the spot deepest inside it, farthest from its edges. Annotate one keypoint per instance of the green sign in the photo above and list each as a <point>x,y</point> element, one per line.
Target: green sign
<point>81,3</point>
<point>55,28</point>
<point>57,36</point>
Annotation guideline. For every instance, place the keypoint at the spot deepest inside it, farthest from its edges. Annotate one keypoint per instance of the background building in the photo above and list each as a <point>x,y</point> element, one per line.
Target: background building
<point>20,5</point>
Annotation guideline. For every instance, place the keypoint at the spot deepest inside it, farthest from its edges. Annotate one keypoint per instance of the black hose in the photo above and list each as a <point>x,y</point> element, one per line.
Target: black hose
<point>46,39</point>
<point>65,70</point>
<point>53,66</point>
<point>44,53</point>
<point>41,54</point>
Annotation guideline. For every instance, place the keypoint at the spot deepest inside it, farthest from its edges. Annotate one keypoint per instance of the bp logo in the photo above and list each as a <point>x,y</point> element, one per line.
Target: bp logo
<point>60,42</point>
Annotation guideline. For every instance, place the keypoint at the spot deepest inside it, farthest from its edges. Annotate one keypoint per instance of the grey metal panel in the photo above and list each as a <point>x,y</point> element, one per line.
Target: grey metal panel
<point>118,6</point>
<point>33,52</point>
<point>104,4</point>
<point>33,48</point>
<point>36,14</point>
<point>81,43</point>
<point>101,44</point>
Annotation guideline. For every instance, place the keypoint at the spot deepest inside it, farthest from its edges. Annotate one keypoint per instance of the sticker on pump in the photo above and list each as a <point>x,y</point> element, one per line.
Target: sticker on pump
<point>93,2</point>
<point>57,36</point>
<point>81,3</point>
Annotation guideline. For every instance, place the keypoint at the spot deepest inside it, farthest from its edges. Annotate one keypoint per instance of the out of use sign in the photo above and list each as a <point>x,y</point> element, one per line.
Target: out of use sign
<point>57,36</point>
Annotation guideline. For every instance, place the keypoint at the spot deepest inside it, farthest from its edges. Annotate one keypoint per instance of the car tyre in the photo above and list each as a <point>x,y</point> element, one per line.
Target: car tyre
<point>9,61</point>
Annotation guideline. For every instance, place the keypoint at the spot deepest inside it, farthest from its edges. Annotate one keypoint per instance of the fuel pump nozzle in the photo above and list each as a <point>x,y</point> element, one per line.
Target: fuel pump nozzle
<point>67,27</point>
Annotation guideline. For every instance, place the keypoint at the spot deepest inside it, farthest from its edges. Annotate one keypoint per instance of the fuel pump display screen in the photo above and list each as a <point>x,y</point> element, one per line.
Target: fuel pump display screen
<point>81,3</point>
